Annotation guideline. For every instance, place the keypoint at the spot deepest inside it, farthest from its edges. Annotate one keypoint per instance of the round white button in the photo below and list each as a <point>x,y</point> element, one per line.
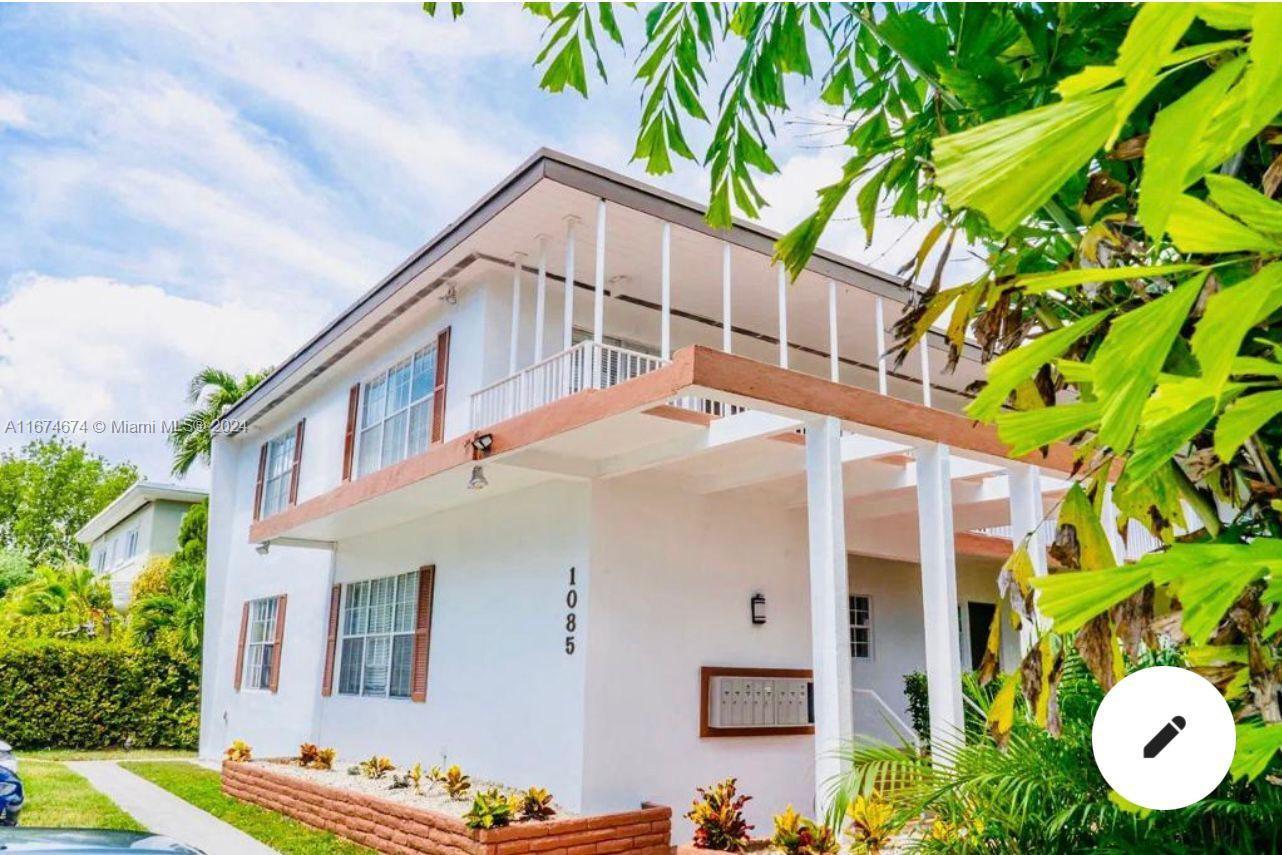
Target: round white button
<point>1163,738</point>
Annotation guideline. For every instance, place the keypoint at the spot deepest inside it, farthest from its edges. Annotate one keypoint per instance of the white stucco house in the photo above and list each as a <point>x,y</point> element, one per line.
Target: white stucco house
<point>586,495</point>
<point>141,523</point>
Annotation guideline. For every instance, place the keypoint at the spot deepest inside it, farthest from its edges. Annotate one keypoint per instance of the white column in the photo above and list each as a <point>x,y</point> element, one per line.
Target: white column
<point>1026,519</point>
<point>518,260</point>
<point>598,296</point>
<point>924,350</point>
<point>829,602</point>
<point>541,299</point>
<point>939,593</point>
<point>1108,519</point>
<point>783,316</point>
<point>834,361</point>
<point>665,292</point>
<point>880,316</point>
<point>726,334</point>
<point>567,338</point>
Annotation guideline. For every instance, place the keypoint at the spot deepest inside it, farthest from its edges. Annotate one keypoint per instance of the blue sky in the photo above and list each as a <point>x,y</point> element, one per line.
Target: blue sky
<point>190,185</point>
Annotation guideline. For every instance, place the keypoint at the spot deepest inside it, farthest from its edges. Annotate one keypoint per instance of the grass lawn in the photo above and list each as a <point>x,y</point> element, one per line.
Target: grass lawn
<point>202,788</point>
<point>58,797</point>
<point>104,754</point>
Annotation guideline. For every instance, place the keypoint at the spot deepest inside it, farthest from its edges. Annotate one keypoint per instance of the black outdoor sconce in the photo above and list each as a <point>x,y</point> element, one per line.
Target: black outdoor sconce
<point>757,606</point>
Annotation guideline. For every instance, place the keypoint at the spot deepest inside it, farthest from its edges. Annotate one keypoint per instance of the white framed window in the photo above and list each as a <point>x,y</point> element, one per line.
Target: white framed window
<point>860,626</point>
<point>377,654</point>
<point>131,544</point>
<point>278,471</point>
<point>260,643</point>
<point>396,412</point>
<point>100,558</point>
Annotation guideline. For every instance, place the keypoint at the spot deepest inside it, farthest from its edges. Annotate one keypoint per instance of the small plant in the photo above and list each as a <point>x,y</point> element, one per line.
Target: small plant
<point>400,782</point>
<point>796,835</point>
<point>871,825</point>
<point>415,778</point>
<point>718,818</point>
<point>325,758</point>
<point>354,770</point>
<point>456,783</point>
<point>490,809</point>
<point>535,805</point>
<point>239,752</point>
<point>435,776</point>
<point>377,767</point>
<point>307,754</point>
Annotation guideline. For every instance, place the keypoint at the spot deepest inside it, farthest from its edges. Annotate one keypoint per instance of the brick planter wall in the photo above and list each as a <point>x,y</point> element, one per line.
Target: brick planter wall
<point>399,829</point>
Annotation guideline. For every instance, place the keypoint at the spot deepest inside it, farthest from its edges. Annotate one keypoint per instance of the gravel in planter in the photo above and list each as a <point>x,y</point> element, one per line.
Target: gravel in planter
<point>432,798</point>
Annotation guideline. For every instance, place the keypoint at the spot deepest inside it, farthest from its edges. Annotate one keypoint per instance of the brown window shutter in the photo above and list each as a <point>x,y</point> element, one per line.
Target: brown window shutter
<point>331,641</point>
<point>262,472</point>
<point>422,633</point>
<point>438,395</point>
<point>278,643</point>
<point>240,646</point>
<point>298,462</point>
<point>349,441</point>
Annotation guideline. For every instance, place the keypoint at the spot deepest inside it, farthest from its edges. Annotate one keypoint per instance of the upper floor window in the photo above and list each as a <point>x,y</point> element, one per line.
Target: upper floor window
<point>100,558</point>
<point>397,412</point>
<point>260,643</point>
<point>131,544</point>
<point>277,473</point>
<point>379,619</point>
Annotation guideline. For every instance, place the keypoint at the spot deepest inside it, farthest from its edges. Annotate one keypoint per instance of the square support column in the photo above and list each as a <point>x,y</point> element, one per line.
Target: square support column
<point>829,602</point>
<point>939,593</point>
<point>1026,521</point>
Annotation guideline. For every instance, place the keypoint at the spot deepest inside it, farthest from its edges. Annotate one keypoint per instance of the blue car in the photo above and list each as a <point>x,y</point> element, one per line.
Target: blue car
<point>10,797</point>
<point>86,841</point>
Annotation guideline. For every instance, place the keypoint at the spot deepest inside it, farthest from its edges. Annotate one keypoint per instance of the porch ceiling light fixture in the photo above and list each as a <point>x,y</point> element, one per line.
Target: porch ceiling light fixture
<point>757,607</point>
<point>450,297</point>
<point>478,481</point>
<point>264,547</point>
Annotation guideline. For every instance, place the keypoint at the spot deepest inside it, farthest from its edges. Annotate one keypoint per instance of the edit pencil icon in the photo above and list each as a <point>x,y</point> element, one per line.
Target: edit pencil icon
<point>1169,731</point>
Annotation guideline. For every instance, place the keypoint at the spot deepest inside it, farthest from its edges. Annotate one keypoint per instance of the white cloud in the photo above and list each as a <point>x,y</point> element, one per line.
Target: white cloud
<point>92,348</point>
<point>12,112</point>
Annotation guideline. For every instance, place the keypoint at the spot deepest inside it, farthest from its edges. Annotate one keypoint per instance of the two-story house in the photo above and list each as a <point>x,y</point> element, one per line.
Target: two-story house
<point>141,523</point>
<point>588,495</point>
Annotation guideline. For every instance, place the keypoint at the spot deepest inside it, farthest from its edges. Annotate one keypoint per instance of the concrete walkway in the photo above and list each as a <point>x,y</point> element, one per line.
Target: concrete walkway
<point>164,813</point>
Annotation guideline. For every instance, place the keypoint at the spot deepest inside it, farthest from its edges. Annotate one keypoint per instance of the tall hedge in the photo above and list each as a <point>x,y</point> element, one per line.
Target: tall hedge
<point>96,694</point>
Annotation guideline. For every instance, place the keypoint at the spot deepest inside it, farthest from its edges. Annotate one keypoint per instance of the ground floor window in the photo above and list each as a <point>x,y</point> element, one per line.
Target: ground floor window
<point>260,645</point>
<point>861,626</point>
<point>377,651</point>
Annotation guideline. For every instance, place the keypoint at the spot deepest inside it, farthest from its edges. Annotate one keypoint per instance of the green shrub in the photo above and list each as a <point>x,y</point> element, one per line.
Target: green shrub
<point>97,694</point>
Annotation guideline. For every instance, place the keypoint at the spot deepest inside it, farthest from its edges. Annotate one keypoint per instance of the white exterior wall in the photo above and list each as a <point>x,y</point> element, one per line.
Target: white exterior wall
<point>504,700</point>
<point>672,577</point>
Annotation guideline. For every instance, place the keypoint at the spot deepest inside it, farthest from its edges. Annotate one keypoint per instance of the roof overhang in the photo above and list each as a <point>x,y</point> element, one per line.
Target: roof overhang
<point>405,285</point>
<point>130,501</point>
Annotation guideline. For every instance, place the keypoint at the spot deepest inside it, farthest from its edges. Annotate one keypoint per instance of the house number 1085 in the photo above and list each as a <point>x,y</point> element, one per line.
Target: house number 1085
<point>571,601</point>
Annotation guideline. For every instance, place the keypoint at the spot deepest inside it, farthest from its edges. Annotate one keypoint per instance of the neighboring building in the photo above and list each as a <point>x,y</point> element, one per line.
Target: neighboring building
<point>553,502</point>
<point>142,522</point>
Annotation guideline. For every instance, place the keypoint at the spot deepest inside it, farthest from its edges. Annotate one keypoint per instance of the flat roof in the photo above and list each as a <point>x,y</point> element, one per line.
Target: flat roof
<point>589,178</point>
<point>137,496</point>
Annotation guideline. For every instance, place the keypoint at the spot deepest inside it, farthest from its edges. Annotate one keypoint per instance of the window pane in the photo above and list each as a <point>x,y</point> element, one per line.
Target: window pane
<point>349,675</point>
<point>394,439</point>
<point>357,610</point>
<point>375,392</point>
<point>420,427</point>
<point>398,388</point>
<point>377,655</point>
<point>382,595</point>
<point>402,665</point>
<point>265,667</point>
<point>371,444</point>
<point>406,602</point>
<point>424,373</point>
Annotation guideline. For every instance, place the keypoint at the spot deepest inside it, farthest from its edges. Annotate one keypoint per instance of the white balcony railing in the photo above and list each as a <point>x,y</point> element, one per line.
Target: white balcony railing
<point>587,365</point>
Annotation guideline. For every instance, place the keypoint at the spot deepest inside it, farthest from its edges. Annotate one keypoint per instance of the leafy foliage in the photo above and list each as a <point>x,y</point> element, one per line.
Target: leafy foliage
<point>212,392</point>
<point>48,490</point>
<point>173,610</point>
<point>718,818</point>
<point>377,767</point>
<point>15,569</point>
<point>456,784</point>
<point>97,694</point>
<point>536,805</point>
<point>239,751</point>
<point>490,809</point>
<point>796,835</point>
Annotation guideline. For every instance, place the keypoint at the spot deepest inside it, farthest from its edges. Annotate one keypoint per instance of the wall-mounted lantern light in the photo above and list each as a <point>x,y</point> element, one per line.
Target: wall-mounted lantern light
<point>478,481</point>
<point>757,606</point>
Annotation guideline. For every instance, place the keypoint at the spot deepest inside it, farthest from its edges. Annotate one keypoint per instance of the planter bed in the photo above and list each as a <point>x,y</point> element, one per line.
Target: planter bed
<point>405,825</point>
